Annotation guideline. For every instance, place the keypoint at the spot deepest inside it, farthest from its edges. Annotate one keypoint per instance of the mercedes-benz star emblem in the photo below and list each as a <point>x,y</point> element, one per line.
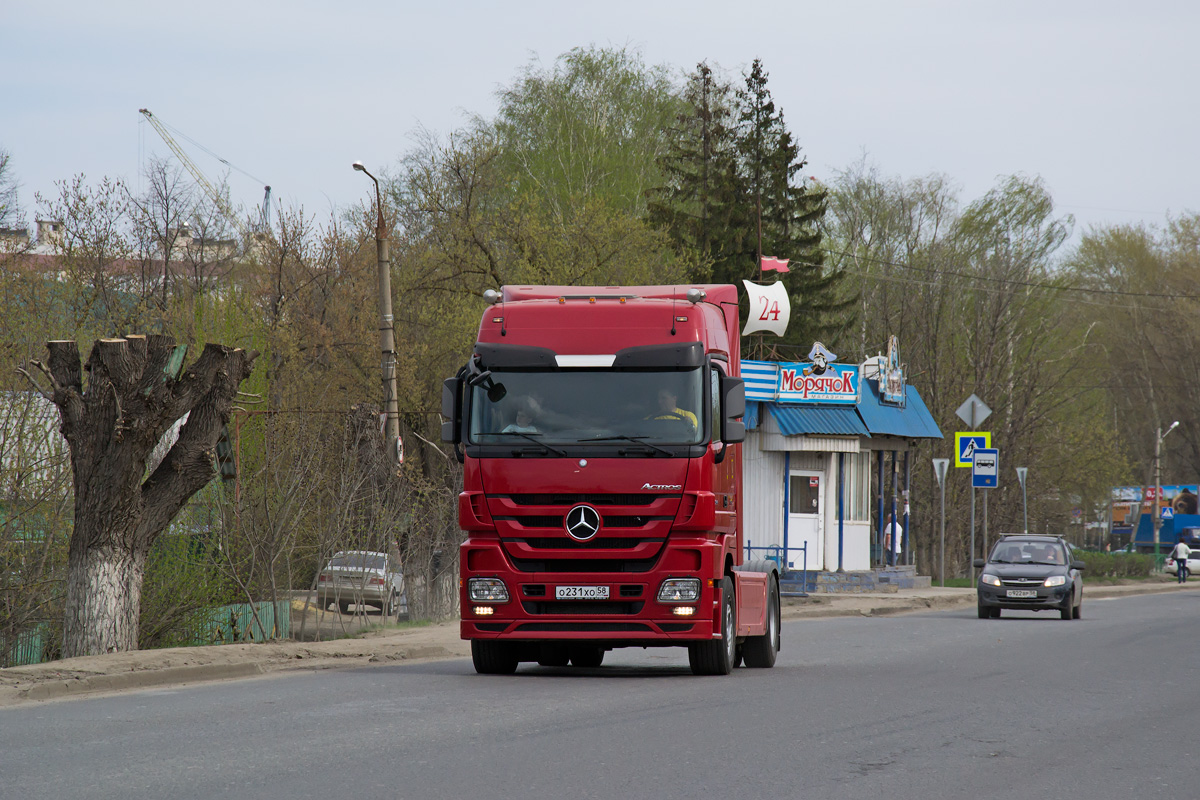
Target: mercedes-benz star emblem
<point>582,523</point>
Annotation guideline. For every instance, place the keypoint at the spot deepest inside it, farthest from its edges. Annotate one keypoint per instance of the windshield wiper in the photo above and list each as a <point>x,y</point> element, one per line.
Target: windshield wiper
<point>623,437</point>
<point>530,437</point>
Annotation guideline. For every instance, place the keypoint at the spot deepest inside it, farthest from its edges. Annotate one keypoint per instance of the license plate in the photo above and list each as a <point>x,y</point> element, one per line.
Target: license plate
<point>1021,593</point>
<point>580,592</point>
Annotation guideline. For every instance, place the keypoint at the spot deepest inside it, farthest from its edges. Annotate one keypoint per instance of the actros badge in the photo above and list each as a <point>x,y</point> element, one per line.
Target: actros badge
<point>582,523</point>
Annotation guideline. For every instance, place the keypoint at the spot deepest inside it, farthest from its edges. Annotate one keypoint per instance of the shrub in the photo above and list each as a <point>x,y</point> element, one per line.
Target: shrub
<point>1108,565</point>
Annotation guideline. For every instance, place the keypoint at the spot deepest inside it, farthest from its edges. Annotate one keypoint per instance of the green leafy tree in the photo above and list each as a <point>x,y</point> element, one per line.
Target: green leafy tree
<point>594,126</point>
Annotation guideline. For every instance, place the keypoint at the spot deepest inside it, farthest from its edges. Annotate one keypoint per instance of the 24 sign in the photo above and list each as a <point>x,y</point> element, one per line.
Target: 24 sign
<point>770,308</point>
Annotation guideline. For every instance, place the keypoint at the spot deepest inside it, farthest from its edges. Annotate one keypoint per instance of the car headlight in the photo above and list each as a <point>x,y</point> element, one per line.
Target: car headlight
<point>679,590</point>
<point>990,580</point>
<point>487,590</point>
<point>1055,580</point>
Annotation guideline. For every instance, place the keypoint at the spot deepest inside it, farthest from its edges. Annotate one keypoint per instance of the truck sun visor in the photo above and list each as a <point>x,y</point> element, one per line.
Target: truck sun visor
<point>684,355</point>
<point>515,356</point>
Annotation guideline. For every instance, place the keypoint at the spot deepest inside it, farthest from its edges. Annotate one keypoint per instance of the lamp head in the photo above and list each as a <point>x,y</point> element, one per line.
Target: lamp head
<point>358,165</point>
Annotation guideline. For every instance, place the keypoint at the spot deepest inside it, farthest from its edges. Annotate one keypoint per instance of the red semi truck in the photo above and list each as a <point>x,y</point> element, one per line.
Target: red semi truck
<point>600,430</point>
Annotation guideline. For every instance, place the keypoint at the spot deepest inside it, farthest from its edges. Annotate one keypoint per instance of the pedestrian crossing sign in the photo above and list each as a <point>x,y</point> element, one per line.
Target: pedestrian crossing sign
<point>966,443</point>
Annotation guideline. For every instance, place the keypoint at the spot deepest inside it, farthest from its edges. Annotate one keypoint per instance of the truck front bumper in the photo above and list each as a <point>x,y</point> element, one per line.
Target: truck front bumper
<point>631,614</point>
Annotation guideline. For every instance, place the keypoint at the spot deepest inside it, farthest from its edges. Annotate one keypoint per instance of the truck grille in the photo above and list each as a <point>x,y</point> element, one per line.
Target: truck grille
<point>590,499</point>
<point>584,565</point>
<point>563,543</point>
<point>583,607</point>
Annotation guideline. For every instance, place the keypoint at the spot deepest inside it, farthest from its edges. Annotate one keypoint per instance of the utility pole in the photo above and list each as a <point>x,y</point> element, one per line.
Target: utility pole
<point>1157,509</point>
<point>387,340</point>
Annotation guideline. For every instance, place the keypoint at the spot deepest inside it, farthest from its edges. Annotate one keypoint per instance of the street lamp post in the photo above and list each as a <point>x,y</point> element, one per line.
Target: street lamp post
<point>1022,473</point>
<point>387,341</point>
<point>1158,481</point>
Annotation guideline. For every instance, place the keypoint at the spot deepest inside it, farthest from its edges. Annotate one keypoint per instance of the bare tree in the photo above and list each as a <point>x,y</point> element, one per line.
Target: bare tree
<point>136,390</point>
<point>10,210</point>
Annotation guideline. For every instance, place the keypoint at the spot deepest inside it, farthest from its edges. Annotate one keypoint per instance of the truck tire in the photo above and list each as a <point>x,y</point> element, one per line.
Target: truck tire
<point>716,657</point>
<point>760,651</point>
<point>587,657</point>
<point>493,658</point>
<point>554,655</point>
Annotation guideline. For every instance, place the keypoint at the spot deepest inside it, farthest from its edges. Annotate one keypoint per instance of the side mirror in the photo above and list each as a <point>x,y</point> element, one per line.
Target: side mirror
<point>452,410</point>
<point>979,563</point>
<point>1079,565</point>
<point>733,405</point>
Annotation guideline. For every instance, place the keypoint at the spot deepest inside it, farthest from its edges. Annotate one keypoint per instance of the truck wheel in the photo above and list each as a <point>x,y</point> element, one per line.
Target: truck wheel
<point>493,658</point>
<point>760,651</point>
<point>716,657</point>
<point>553,655</point>
<point>587,657</point>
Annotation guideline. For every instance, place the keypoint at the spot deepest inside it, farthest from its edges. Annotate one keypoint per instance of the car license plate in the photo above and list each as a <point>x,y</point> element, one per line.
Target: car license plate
<point>580,592</point>
<point>1021,593</point>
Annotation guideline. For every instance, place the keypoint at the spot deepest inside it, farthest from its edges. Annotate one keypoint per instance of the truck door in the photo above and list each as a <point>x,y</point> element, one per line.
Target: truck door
<point>805,518</point>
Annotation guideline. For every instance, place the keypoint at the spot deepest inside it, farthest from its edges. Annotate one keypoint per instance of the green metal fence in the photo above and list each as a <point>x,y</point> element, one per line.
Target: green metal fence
<point>241,622</point>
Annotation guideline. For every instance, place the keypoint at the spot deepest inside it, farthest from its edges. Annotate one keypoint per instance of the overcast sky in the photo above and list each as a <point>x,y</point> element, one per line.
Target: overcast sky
<point>1098,98</point>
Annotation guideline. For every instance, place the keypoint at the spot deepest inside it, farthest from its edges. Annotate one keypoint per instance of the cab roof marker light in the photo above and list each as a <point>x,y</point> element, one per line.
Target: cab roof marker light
<point>602,361</point>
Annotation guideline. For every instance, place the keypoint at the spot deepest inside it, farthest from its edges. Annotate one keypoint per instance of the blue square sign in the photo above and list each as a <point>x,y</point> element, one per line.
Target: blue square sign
<point>985,468</point>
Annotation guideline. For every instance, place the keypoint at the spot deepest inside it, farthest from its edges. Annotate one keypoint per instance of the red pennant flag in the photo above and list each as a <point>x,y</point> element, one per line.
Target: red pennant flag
<point>777,264</point>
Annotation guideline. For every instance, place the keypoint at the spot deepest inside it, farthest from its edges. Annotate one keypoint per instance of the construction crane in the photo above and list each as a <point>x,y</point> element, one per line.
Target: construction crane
<point>222,204</point>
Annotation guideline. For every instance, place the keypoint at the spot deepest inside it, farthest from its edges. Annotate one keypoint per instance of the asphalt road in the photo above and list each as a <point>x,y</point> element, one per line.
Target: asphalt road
<point>917,706</point>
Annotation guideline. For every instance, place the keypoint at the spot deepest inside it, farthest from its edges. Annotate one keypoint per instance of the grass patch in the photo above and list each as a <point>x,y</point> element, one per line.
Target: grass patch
<point>380,627</point>
<point>956,583</point>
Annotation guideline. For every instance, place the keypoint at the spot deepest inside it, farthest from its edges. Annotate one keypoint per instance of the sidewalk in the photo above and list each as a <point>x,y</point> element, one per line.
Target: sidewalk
<point>186,665</point>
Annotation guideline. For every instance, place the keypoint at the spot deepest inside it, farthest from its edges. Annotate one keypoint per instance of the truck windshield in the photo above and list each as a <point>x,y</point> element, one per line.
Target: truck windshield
<point>572,406</point>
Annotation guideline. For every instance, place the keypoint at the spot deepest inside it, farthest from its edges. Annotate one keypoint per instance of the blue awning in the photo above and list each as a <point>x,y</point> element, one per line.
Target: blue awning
<point>819,420</point>
<point>913,421</point>
<point>751,418</point>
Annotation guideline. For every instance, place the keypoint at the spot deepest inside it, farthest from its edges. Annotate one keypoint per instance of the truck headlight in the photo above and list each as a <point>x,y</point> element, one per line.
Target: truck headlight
<point>990,580</point>
<point>487,590</point>
<point>1055,580</point>
<point>679,590</point>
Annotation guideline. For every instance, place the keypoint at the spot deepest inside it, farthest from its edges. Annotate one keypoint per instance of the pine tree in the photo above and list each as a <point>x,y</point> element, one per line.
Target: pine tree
<point>733,176</point>
<point>788,216</point>
<point>701,199</point>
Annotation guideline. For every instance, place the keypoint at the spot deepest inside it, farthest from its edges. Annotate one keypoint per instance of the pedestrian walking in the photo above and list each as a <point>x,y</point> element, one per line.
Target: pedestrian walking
<point>893,541</point>
<point>1180,554</point>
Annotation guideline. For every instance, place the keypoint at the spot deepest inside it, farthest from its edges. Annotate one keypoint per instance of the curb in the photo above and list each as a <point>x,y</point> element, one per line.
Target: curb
<point>135,679</point>
<point>28,688</point>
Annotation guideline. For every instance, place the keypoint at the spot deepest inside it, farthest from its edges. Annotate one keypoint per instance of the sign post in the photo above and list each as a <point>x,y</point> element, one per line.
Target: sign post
<point>940,465</point>
<point>973,411</point>
<point>985,474</point>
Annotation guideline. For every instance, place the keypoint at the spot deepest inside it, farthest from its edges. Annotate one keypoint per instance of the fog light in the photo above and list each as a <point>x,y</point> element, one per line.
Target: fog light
<point>487,590</point>
<point>484,611</point>
<point>683,611</point>
<point>679,590</point>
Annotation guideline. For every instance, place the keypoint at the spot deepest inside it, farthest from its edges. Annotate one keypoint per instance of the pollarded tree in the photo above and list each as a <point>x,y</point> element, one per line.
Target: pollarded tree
<point>136,391</point>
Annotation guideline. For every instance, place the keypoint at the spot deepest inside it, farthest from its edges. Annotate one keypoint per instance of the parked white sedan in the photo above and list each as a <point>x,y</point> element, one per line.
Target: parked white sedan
<point>362,577</point>
<point>1193,564</point>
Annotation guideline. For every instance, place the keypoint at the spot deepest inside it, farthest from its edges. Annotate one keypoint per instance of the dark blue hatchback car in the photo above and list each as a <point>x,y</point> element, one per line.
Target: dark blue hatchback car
<point>1031,573</point>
